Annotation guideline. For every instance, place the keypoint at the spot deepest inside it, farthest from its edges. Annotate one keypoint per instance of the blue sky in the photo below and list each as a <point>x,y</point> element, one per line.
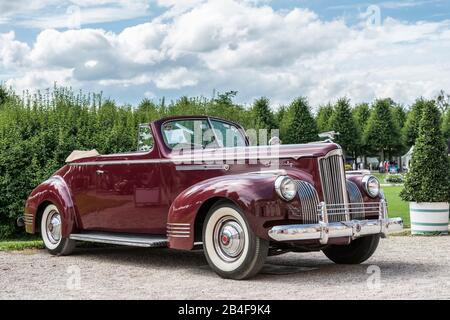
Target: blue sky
<point>131,49</point>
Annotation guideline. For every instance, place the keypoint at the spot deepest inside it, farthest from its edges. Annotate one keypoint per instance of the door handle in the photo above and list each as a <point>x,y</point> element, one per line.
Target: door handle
<point>100,172</point>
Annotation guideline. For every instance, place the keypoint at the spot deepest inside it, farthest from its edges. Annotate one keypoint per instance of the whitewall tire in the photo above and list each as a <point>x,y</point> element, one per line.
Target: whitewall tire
<point>51,224</point>
<point>231,248</point>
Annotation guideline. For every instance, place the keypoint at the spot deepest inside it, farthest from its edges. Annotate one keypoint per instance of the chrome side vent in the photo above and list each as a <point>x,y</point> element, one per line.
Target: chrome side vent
<point>356,198</point>
<point>309,200</point>
<point>332,178</point>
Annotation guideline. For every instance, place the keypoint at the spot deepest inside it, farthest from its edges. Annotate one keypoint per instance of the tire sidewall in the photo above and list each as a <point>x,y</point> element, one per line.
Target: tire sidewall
<point>244,264</point>
<point>48,244</point>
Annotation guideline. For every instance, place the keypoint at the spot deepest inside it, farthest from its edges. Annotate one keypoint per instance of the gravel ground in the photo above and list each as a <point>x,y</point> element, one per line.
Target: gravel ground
<point>401,268</point>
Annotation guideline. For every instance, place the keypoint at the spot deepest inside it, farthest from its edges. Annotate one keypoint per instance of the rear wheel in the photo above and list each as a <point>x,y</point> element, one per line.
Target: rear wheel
<point>356,252</point>
<point>51,224</point>
<point>231,248</point>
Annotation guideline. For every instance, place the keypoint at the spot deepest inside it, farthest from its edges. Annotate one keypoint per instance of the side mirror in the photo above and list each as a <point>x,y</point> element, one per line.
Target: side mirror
<point>274,141</point>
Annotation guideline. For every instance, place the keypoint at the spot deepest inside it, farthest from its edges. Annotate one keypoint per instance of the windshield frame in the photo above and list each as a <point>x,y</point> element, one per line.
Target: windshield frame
<point>208,120</point>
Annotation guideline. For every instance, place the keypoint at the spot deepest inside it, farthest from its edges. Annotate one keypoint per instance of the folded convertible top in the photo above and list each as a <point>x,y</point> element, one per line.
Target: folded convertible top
<point>80,154</point>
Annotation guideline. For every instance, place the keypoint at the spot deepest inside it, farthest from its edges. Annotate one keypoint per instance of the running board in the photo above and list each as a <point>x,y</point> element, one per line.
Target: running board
<point>134,240</point>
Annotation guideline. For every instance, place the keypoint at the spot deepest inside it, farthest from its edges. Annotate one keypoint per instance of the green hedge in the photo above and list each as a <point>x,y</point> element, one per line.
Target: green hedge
<point>37,133</point>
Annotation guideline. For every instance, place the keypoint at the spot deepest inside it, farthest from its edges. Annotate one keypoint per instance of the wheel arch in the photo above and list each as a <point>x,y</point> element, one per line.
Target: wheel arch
<point>39,211</point>
<point>202,213</point>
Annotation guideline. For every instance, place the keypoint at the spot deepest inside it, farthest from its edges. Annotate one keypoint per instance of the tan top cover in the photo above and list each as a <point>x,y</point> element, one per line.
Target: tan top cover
<point>80,154</point>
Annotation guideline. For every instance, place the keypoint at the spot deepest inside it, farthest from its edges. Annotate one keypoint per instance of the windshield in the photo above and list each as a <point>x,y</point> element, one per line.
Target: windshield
<point>201,133</point>
<point>228,134</point>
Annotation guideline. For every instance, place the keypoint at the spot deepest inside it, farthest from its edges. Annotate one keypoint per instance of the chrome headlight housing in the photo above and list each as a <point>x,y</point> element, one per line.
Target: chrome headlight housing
<point>371,185</point>
<point>286,188</point>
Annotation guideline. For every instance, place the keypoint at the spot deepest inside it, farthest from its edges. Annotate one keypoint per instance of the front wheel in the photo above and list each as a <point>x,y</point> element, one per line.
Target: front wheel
<point>231,248</point>
<point>51,224</point>
<point>356,252</point>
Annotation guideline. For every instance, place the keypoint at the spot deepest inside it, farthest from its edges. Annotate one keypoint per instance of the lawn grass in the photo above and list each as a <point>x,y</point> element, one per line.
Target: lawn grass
<point>397,207</point>
<point>12,245</point>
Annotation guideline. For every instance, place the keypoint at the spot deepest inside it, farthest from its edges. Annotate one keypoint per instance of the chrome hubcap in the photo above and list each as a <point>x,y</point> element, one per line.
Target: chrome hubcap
<point>229,239</point>
<point>54,227</point>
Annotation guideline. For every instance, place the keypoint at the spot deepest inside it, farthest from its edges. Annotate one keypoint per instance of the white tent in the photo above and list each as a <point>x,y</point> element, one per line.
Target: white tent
<point>406,158</point>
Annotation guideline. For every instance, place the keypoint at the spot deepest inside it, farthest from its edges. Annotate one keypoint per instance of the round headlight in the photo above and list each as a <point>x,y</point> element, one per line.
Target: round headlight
<point>285,187</point>
<point>371,185</point>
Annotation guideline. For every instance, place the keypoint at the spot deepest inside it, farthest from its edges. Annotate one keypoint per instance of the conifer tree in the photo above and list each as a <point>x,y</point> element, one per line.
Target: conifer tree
<point>428,179</point>
<point>300,124</point>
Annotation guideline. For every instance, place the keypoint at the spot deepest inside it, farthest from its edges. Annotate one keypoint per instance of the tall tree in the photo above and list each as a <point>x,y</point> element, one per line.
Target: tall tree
<point>443,101</point>
<point>299,123</point>
<point>399,114</point>
<point>323,117</point>
<point>381,130</point>
<point>399,117</point>
<point>3,94</point>
<point>446,125</point>
<point>361,114</point>
<point>342,121</point>
<point>411,128</point>
<point>263,117</point>
<point>280,118</point>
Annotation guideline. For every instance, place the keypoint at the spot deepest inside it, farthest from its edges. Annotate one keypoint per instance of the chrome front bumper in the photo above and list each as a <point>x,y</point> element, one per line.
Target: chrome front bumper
<point>325,230</point>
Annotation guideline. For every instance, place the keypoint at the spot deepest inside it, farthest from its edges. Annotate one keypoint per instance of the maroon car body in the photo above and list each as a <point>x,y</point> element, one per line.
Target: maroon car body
<point>162,192</point>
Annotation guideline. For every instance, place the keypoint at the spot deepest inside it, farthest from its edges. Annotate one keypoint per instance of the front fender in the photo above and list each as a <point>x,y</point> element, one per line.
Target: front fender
<point>253,193</point>
<point>56,191</point>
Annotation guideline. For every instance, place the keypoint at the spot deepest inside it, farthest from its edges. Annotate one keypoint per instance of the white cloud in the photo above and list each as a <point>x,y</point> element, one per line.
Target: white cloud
<point>176,79</point>
<point>12,52</point>
<point>237,45</point>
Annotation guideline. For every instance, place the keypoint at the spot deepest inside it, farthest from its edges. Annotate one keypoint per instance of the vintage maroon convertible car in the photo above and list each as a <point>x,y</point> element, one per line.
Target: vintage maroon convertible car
<point>240,202</point>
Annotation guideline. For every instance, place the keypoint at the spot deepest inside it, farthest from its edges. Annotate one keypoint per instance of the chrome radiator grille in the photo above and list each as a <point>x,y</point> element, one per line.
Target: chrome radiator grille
<point>332,178</point>
<point>356,198</point>
<point>309,200</point>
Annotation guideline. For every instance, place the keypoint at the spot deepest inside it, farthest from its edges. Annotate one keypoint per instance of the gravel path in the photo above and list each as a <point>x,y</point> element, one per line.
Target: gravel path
<point>402,268</point>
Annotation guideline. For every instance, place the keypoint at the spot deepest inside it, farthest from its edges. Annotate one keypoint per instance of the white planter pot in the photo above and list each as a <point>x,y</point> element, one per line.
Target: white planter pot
<point>429,217</point>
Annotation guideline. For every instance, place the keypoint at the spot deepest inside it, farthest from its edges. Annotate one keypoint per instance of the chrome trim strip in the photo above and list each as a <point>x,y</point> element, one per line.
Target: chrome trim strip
<point>225,167</point>
<point>126,240</point>
<point>178,228</point>
<point>178,224</point>
<point>178,236</point>
<point>178,233</point>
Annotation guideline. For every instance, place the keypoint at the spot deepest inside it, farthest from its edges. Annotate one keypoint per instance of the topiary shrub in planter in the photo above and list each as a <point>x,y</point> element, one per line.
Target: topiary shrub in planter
<point>427,184</point>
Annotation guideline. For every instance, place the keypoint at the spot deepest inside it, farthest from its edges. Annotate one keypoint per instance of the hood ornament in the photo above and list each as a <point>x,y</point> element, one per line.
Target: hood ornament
<point>329,135</point>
